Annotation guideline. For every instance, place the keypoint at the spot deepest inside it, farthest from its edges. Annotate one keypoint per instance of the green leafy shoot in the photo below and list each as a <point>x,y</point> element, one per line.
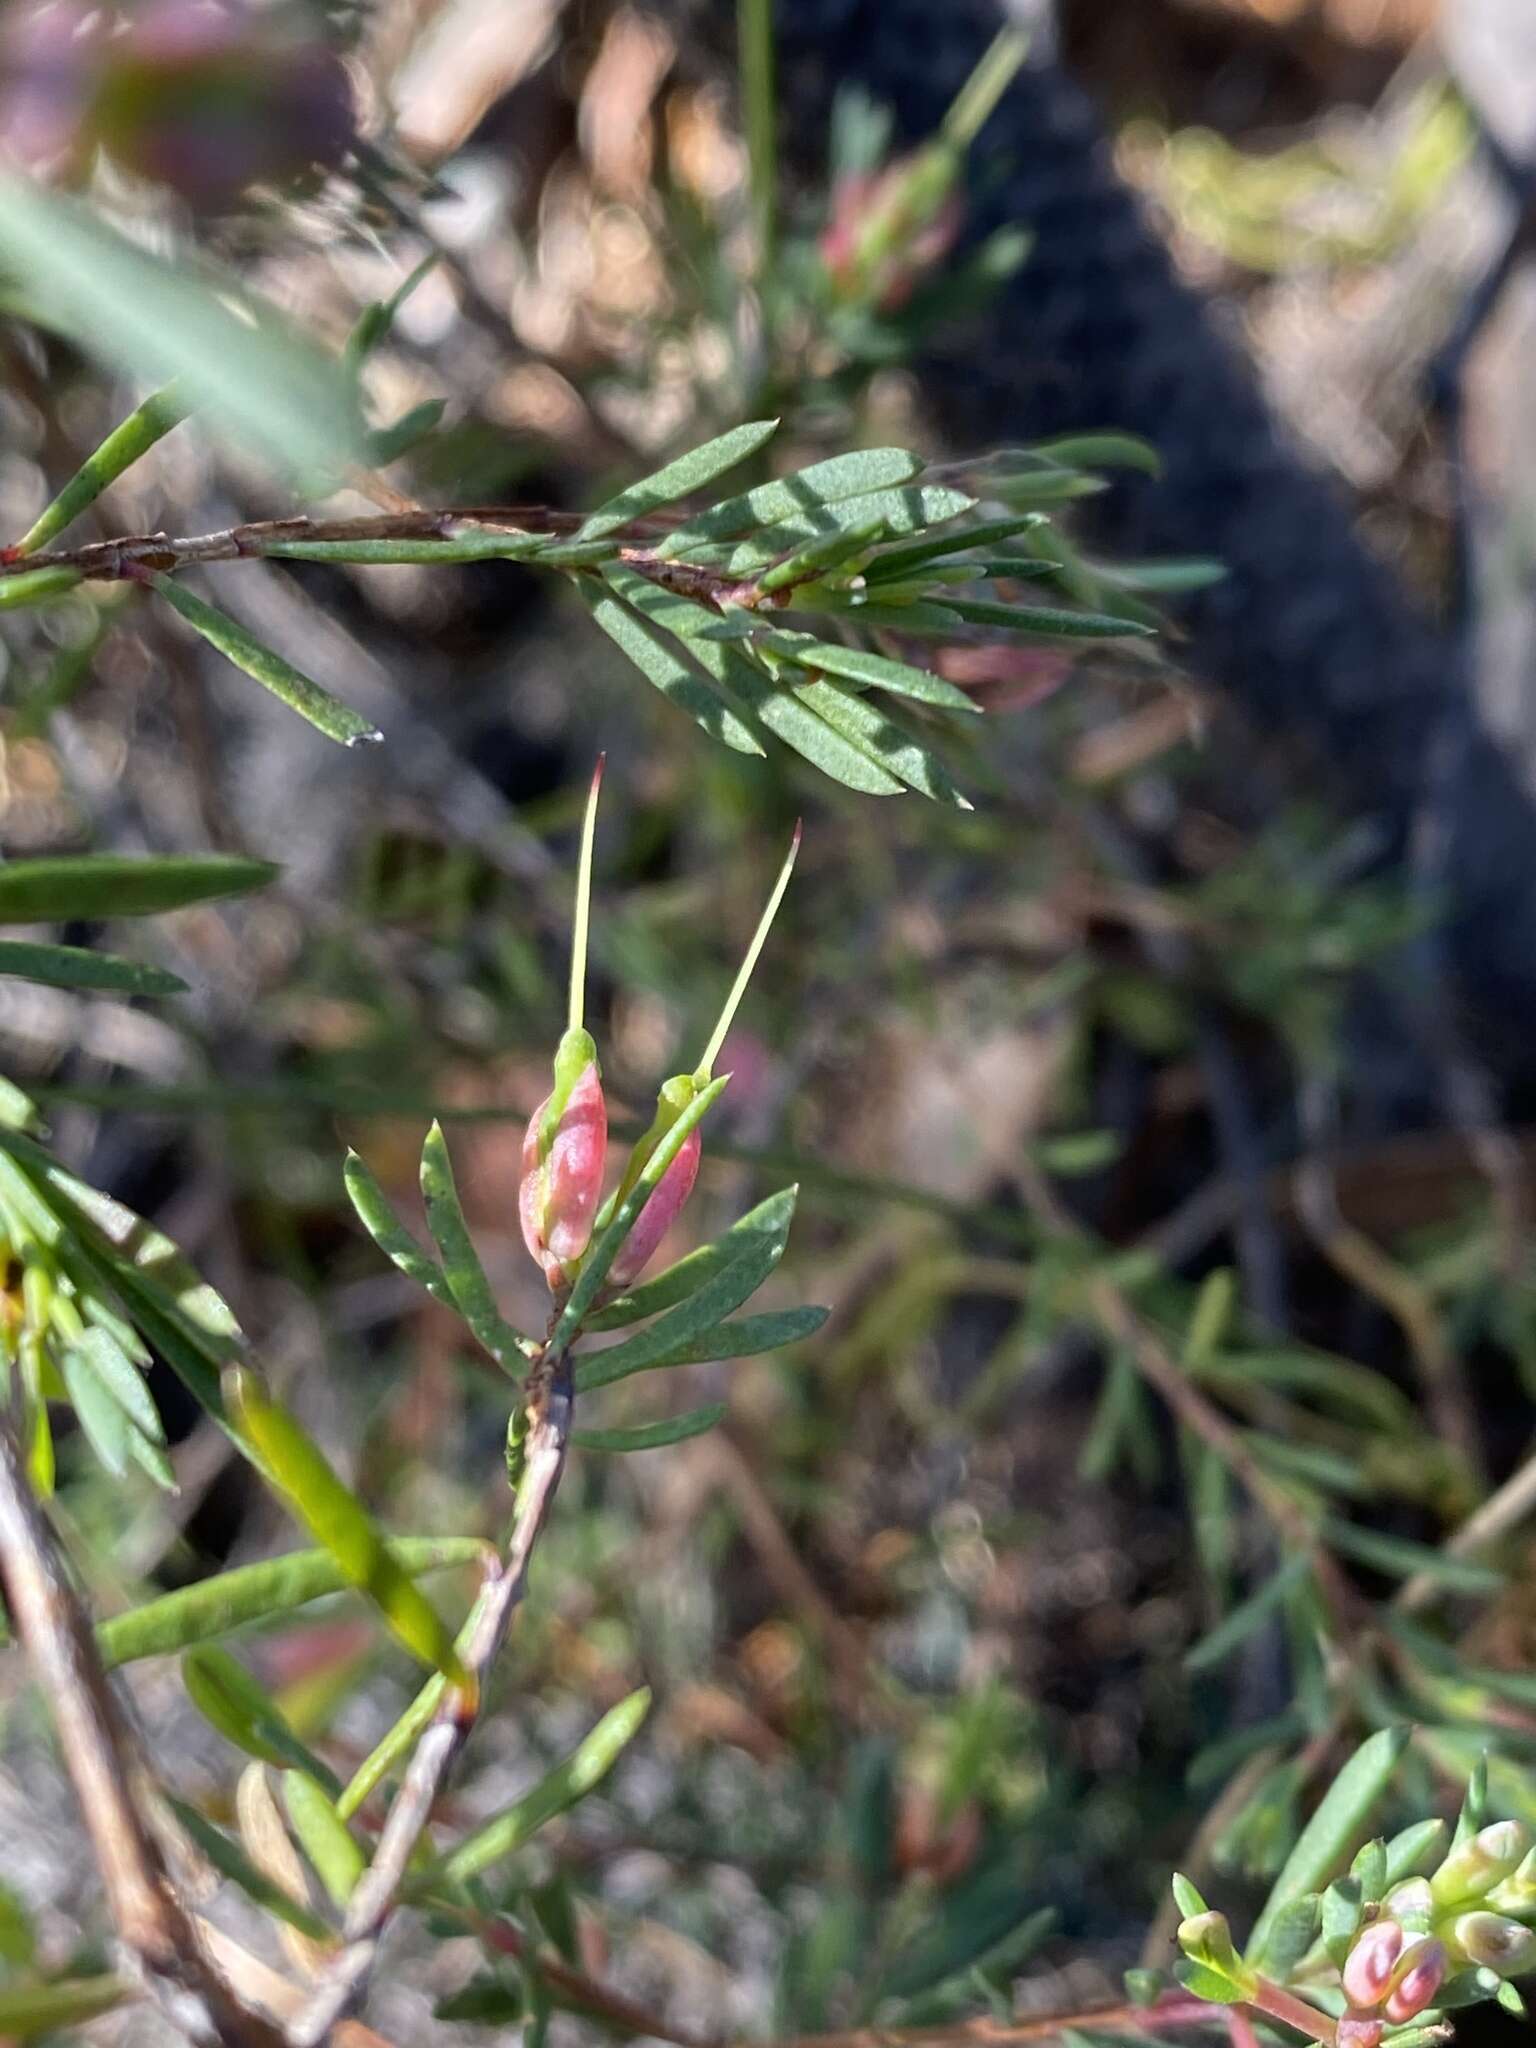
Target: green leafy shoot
<point>149,423</point>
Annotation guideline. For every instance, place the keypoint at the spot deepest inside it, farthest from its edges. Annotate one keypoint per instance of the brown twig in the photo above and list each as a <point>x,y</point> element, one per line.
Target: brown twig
<point>1360,1260</point>
<point>1173,2009</point>
<point>549,1402</point>
<point>1121,1321</point>
<point>578,1990</point>
<point>160,1944</point>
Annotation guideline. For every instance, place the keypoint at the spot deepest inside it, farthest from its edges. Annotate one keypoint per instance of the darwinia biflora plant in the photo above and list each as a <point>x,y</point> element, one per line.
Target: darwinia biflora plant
<point>1416,1927</point>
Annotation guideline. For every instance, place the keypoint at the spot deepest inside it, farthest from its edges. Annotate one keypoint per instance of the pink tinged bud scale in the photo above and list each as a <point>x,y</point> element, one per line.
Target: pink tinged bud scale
<point>659,1213</point>
<point>1416,1981</point>
<point>1369,1965</point>
<point>564,1153</point>
<point>1355,2032</point>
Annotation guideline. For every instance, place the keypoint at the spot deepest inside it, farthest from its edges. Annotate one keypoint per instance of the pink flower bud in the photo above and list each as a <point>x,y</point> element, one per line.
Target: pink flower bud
<point>1416,1981</point>
<point>890,229</point>
<point>659,1213</point>
<point>1369,1965</point>
<point>564,1153</point>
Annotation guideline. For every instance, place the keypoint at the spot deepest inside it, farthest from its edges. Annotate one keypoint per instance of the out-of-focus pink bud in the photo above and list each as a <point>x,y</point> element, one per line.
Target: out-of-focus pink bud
<point>49,58</point>
<point>206,97</point>
<point>1369,1965</point>
<point>1416,1981</point>
<point>889,229</point>
<point>564,1154</point>
<point>659,1213</point>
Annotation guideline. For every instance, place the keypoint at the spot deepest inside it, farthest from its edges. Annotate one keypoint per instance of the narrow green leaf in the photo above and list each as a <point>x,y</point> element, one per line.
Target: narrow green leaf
<point>1207,1983</point>
<point>58,888</point>
<point>652,1436</point>
<point>335,1517</point>
<point>388,444</point>
<point>79,967</point>
<point>726,1289</point>
<point>859,665</point>
<point>257,1592</point>
<point>1163,578</point>
<point>581,1773</point>
<point>666,670</point>
<point>149,423</point>
<point>679,479</point>
<point>389,1234</point>
<point>1369,1869</point>
<point>768,1223</point>
<point>231,1861</point>
<point>254,377</point>
<point>746,1337</point>
<point>896,564</point>
<point>1403,1559</point>
<point>230,1700</point>
<point>323,1835</point>
<point>1349,1389</point>
<point>94,1395</point>
<point>817,556</point>
<point>112,1366</point>
<point>1416,1850</point>
<point>1186,1898</point>
<point>326,713</point>
<point>36,2009</point>
<point>886,741</point>
<point>841,476</point>
<point>961,1925</point>
<point>1089,451</point>
<point>1248,1616</point>
<point>1342,1908</point>
<point>1046,622</point>
<point>912,510</point>
<point>22,587</point>
<point>1293,1933</point>
<point>1329,1837</point>
<point>795,723</point>
<point>460,541</point>
<point>916,617</point>
<point>1474,1806</point>
<point>466,1277</point>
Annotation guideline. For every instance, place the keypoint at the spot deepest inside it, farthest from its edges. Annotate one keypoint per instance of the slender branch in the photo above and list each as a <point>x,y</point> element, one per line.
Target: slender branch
<point>1400,1292</point>
<point>549,1404</point>
<point>580,1991</point>
<point>1173,2009</point>
<point>157,1936</point>
<point>1116,1316</point>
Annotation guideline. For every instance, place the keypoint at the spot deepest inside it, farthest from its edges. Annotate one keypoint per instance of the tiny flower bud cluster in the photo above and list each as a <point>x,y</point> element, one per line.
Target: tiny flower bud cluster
<point>1472,1913</point>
